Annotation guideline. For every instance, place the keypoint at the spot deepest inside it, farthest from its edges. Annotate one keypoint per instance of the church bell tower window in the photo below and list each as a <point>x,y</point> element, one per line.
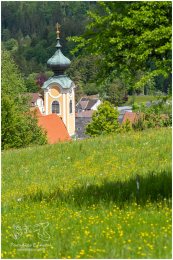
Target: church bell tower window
<point>55,107</point>
<point>71,110</point>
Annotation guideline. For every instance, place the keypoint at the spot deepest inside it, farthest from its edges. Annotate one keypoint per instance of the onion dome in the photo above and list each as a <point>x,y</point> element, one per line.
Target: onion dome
<point>58,62</point>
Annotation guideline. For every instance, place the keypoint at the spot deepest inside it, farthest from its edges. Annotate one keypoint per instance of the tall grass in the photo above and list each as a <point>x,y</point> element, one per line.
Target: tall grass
<point>106,197</point>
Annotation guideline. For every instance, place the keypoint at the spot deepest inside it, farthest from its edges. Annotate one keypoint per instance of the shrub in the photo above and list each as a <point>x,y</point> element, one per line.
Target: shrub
<point>104,120</point>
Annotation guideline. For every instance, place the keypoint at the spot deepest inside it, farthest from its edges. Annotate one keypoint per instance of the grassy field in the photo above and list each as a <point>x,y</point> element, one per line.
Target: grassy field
<point>108,197</point>
<point>141,99</point>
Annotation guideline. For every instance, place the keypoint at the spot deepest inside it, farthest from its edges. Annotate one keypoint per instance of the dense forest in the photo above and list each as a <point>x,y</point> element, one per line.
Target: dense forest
<point>28,33</point>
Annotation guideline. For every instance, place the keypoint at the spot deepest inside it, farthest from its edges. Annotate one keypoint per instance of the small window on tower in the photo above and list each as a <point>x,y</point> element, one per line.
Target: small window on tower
<point>70,106</point>
<point>55,107</point>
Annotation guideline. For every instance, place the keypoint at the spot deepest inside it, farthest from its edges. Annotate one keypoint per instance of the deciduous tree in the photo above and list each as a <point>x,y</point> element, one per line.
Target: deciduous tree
<point>134,37</point>
<point>19,127</point>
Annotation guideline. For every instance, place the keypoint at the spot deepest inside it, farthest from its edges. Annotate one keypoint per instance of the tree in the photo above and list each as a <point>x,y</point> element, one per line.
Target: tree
<point>31,83</point>
<point>83,72</point>
<point>19,127</point>
<point>11,45</point>
<point>12,80</point>
<point>91,89</point>
<point>131,38</point>
<point>116,93</point>
<point>104,120</point>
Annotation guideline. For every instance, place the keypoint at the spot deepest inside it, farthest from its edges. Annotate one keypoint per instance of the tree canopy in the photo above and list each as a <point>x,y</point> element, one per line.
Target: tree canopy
<point>133,40</point>
<point>19,127</point>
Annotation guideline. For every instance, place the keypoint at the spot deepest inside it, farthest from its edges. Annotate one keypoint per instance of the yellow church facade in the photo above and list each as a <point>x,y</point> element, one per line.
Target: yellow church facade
<point>62,102</point>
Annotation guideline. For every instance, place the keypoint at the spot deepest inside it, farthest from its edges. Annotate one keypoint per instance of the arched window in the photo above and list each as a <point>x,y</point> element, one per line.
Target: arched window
<point>55,107</point>
<point>71,110</point>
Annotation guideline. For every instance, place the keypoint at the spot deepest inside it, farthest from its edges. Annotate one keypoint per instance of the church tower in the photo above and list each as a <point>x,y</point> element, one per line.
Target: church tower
<point>59,95</point>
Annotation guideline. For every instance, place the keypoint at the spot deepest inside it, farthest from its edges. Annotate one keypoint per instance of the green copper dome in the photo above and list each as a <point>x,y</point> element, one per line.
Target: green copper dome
<point>58,62</point>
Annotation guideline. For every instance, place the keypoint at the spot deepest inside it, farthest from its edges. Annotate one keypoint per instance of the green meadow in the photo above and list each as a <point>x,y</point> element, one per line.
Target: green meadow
<point>142,99</point>
<point>105,197</point>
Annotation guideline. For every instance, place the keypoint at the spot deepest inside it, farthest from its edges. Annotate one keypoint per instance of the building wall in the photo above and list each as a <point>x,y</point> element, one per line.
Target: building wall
<point>70,116</point>
<point>50,101</point>
<point>63,97</point>
<point>40,104</point>
<point>96,105</point>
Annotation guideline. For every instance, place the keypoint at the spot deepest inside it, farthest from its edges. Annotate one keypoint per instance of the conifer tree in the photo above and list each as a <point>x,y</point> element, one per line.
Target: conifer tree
<point>104,120</point>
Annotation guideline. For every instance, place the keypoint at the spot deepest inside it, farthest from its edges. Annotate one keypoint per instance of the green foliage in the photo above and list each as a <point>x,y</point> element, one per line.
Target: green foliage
<point>104,120</point>
<point>137,100</point>
<point>32,25</point>
<point>6,35</point>
<point>162,105</point>
<point>19,127</point>
<point>12,81</point>
<point>130,40</point>
<point>159,114</point>
<point>83,72</point>
<point>133,39</point>
<point>30,82</point>
<point>11,45</point>
<point>91,89</point>
<point>135,106</point>
<point>151,120</point>
<point>126,127</point>
<point>116,93</point>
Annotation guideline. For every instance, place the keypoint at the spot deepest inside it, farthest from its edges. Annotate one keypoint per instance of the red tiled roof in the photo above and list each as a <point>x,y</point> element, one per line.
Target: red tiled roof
<point>55,128</point>
<point>131,116</point>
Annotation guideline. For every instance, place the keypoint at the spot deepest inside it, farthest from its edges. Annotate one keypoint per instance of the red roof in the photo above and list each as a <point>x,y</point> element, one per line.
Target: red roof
<point>131,116</point>
<point>55,128</point>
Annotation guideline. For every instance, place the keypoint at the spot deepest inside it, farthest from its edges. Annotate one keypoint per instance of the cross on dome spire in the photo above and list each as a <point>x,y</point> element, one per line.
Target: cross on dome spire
<point>58,62</point>
<point>58,26</point>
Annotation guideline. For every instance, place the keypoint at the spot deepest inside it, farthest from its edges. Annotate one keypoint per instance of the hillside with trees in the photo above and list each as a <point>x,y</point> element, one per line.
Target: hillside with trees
<point>29,34</point>
<point>117,47</point>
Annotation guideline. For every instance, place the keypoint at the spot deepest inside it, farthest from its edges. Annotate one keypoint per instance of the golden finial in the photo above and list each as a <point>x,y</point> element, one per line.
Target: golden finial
<point>58,26</point>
